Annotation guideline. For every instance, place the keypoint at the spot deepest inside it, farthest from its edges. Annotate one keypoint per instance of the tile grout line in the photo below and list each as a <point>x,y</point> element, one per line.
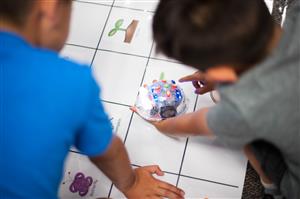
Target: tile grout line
<point>147,64</point>
<point>145,70</point>
<point>176,174</point>
<point>195,178</point>
<point>149,58</point>
<point>81,46</point>
<point>95,53</point>
<point>137,94</point>
<point>186,144</point>
<point>128,128</point>
<point>179,174</point>
<point>135,9</point>
<point>182,161</point>
<point>165,60</point>
<point>122,53</point>
<point>112,185</point>
<point>92,3</point>
<point>105,50</point>
<point>110,190</point>
<point>115,6</point>
<point>210,181</point>
<point>199,179</point>
<point>115,103</point>
<point>102,33</point>
<point>131,117</point>
<point>129,124</point>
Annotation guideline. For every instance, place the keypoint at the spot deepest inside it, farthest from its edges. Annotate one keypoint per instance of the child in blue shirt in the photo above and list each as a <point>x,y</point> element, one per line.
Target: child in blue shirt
<point>48,104</point>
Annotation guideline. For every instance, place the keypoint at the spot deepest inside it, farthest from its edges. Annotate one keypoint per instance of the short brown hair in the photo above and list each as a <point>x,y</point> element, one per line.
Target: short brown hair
<point>205,33</point>
<point>16,11</point>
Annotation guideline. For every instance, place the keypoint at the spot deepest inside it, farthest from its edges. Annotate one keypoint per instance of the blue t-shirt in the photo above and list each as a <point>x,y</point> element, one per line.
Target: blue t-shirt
<point>47,104</point>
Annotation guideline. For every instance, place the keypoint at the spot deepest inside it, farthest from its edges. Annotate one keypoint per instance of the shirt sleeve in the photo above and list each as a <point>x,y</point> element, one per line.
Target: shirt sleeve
<point>229,125</point>
<point>96,134</point>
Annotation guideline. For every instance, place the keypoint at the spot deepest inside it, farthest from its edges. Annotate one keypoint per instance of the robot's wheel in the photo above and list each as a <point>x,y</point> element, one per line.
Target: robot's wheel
<point>167,111</point>
<point>154,111</point>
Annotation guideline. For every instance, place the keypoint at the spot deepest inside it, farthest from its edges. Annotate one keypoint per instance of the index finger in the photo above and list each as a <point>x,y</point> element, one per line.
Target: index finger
<point>194,77</point>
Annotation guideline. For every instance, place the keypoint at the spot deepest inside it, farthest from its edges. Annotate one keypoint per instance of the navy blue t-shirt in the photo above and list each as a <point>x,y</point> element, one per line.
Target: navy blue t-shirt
<point>47,104</point>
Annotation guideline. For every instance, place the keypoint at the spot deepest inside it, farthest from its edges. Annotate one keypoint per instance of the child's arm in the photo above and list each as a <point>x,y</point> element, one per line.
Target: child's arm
<point>185,125</point>
<point>138,183</point>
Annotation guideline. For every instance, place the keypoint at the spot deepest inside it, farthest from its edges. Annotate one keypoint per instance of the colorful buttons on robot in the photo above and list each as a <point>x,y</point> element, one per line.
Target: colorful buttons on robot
<point>164,99</point>
<point>168,94</point>
<point>167,86</point>
<point>155,96</point>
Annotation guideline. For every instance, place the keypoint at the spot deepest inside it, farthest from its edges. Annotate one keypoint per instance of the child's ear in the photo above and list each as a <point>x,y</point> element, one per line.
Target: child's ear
<point>221,74</point>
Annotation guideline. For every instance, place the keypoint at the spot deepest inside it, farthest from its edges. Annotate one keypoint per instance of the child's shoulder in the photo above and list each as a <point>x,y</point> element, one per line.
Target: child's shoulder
<point>55,64</point>
<point>54,57</point>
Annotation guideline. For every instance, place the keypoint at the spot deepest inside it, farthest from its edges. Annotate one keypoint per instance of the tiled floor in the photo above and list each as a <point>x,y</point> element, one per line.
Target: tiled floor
<point>202,167</point>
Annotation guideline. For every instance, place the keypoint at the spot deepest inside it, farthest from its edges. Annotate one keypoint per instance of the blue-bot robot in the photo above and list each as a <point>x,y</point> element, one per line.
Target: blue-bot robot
<point>160,100</point>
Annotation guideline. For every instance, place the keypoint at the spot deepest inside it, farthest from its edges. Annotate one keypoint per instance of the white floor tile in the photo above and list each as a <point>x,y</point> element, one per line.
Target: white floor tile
<point>119,76</point>
<point>76,163</point>
<point>172,179</point>
<point>159,55</point>
<point>120,117</point>
<point>269,4</point>
<point>196,189</point>
<point>146,5</point>
<point>146,146</point>
<point>172,71</point>
<point>204,101</point>
<point>135,24</point>
<point>78,54</point>
<point>87,23</point>
<point>207,159</point>
<point>106,2</point>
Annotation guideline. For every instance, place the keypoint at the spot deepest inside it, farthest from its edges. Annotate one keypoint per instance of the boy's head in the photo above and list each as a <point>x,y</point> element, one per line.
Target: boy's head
<point>44,23</point>
<point>209,33</point>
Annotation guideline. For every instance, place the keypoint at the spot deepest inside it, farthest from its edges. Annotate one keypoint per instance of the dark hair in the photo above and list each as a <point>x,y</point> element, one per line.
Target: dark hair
<point>16,11</point>
<point>205,33</point>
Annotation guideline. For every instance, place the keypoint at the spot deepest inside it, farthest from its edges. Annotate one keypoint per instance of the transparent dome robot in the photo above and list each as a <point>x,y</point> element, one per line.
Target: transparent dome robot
<point>160,100</point>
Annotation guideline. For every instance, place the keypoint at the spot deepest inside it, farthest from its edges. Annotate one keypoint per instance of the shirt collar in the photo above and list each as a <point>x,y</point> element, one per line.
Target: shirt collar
<point>11,39</point>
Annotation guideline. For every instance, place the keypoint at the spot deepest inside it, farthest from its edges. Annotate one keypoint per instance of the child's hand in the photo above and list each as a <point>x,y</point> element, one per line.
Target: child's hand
<point>161,126</point>
<point>199,82</point>
<point>146,186</point>
<point>157,124</point>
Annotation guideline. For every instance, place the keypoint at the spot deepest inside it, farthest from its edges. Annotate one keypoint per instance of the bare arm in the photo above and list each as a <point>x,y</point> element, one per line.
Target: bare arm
<point>186,125</point>
<point>115,163</point>
<point>137,183</point>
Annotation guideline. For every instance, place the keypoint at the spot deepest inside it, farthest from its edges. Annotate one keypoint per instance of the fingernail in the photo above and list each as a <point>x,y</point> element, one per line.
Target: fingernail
<point>182,193</point>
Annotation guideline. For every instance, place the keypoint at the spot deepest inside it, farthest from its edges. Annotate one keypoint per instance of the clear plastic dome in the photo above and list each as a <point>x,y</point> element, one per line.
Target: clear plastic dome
<point>160,100</point>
